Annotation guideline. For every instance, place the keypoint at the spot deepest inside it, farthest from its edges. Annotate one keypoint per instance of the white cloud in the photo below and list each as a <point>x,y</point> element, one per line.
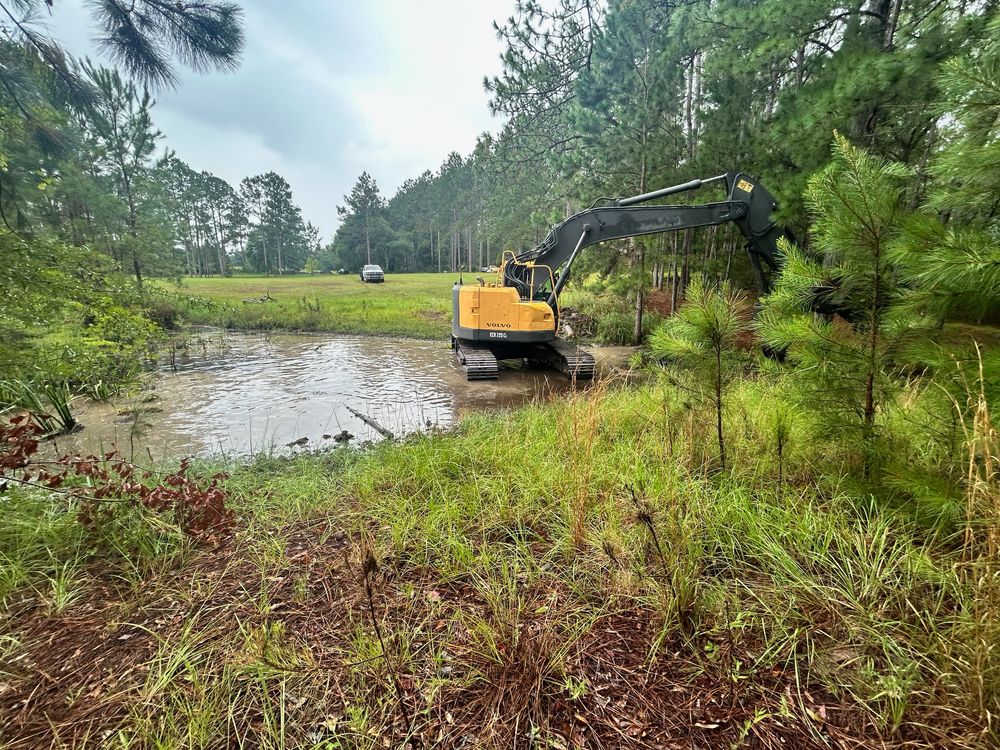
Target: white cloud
<point>325,92</point>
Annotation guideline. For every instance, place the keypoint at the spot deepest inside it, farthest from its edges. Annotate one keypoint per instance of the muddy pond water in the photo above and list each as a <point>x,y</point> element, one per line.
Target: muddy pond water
<point>239,394</point>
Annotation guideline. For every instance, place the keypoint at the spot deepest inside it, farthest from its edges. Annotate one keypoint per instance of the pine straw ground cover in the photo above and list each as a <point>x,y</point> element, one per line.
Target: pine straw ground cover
<point>564,575</point>
<point>222,654</point>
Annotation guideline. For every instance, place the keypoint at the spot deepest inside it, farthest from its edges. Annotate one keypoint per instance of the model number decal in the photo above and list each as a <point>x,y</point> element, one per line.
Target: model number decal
<point>498,335</point>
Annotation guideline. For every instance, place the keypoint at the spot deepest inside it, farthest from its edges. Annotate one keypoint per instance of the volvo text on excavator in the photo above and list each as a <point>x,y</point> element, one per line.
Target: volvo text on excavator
<point>517,315</point>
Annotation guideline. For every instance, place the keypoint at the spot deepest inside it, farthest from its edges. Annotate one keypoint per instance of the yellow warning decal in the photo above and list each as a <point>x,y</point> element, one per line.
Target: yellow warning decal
<point>745,186</point>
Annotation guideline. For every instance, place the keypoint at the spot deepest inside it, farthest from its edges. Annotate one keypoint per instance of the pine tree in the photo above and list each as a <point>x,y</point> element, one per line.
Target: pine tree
<point>547,47</point>
<point>951,250</point>
<point>626,113</point>
<point>119,121</point>
<point>144,36</point>
<point>703,337</point>
<point>366,203</point>
<point>277,237</point>
<point>844,363</point>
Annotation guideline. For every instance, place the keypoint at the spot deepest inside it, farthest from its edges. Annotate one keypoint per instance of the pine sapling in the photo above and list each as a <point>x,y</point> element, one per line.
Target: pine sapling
<point>843,324</point>
<point>703,337</point>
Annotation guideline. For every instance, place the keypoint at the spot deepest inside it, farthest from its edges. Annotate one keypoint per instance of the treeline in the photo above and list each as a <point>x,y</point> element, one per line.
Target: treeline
<point>256,227</point>
<point>89,207</point>
<point>453,218</point>
<point>81,165</point>
<point>617,98</point>
<point>432,223</point>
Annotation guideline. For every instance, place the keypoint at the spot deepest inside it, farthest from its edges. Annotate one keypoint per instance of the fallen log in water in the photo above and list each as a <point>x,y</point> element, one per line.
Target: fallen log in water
<point>372,423</point>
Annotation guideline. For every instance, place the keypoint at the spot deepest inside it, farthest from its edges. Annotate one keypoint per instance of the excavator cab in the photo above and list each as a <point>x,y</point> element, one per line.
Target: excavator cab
<point>508,311</point>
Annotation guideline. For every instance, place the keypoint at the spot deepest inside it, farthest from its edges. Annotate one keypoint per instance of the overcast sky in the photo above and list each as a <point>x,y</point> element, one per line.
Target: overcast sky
<point>328,89</point>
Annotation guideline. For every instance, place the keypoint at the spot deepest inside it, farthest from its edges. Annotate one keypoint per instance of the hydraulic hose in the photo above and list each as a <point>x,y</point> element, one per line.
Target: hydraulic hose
<point>565,272</point>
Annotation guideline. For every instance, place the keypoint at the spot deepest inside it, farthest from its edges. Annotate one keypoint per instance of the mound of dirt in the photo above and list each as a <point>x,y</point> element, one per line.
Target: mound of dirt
<point>575,324</point>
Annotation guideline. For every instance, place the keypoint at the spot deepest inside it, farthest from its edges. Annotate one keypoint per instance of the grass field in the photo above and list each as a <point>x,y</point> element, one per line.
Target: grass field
<point>570,574</point>
<point>412,305</point>
<point>416,305</point>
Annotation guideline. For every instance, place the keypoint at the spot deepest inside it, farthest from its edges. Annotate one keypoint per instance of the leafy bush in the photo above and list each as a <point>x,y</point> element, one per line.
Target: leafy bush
<point>108,485</point>
<point>69,317</point>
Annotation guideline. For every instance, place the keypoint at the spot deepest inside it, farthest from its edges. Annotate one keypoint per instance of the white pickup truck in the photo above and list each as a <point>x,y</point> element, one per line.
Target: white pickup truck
<point>372,274</point>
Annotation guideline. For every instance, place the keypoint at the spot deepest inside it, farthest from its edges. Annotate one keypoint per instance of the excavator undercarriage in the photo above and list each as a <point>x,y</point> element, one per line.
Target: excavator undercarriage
<point>481,362</point>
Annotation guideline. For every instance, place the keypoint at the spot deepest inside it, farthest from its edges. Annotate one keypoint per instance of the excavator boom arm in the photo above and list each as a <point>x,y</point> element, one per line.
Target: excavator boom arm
<point>750,206</point>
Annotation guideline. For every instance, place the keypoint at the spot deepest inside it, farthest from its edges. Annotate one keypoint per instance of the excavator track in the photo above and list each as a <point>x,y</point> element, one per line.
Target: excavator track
<point>479,362</point>
<point>574,362</point>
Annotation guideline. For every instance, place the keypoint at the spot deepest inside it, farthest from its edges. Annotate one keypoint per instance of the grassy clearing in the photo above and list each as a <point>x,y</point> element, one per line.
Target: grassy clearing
<point>413,305</point>
<point>567,574</point>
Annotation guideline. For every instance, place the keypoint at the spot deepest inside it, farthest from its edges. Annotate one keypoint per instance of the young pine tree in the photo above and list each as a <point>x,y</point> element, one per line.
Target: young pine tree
<point>843,363</point>
<point>702,337</point>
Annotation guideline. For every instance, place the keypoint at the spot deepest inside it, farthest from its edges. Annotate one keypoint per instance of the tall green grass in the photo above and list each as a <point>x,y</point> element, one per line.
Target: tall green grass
<point>414,305</point>
<point>613,313</point>
<point>502,545</point>
<point>47,403</point>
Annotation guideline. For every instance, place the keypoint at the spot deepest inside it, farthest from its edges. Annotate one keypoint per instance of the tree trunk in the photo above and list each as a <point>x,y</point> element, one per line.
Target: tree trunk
<point>706,254</point>
<point>876,32</point>
<point>875,323</point>
<point>890,26</point>
<point>718,406</point>
<point>686,267</point>
<point>673,282</point>
<point>133,231</point>
<point>368,241</point>
<point>641,276</point>
<point>689,110</point>
<point>639,294</point>
<point>637,331</point>
<point>222,261</point>
<point>921,171</point>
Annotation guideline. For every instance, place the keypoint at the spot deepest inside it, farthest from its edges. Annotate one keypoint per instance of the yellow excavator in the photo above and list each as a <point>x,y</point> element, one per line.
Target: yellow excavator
<point>517,315</point>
